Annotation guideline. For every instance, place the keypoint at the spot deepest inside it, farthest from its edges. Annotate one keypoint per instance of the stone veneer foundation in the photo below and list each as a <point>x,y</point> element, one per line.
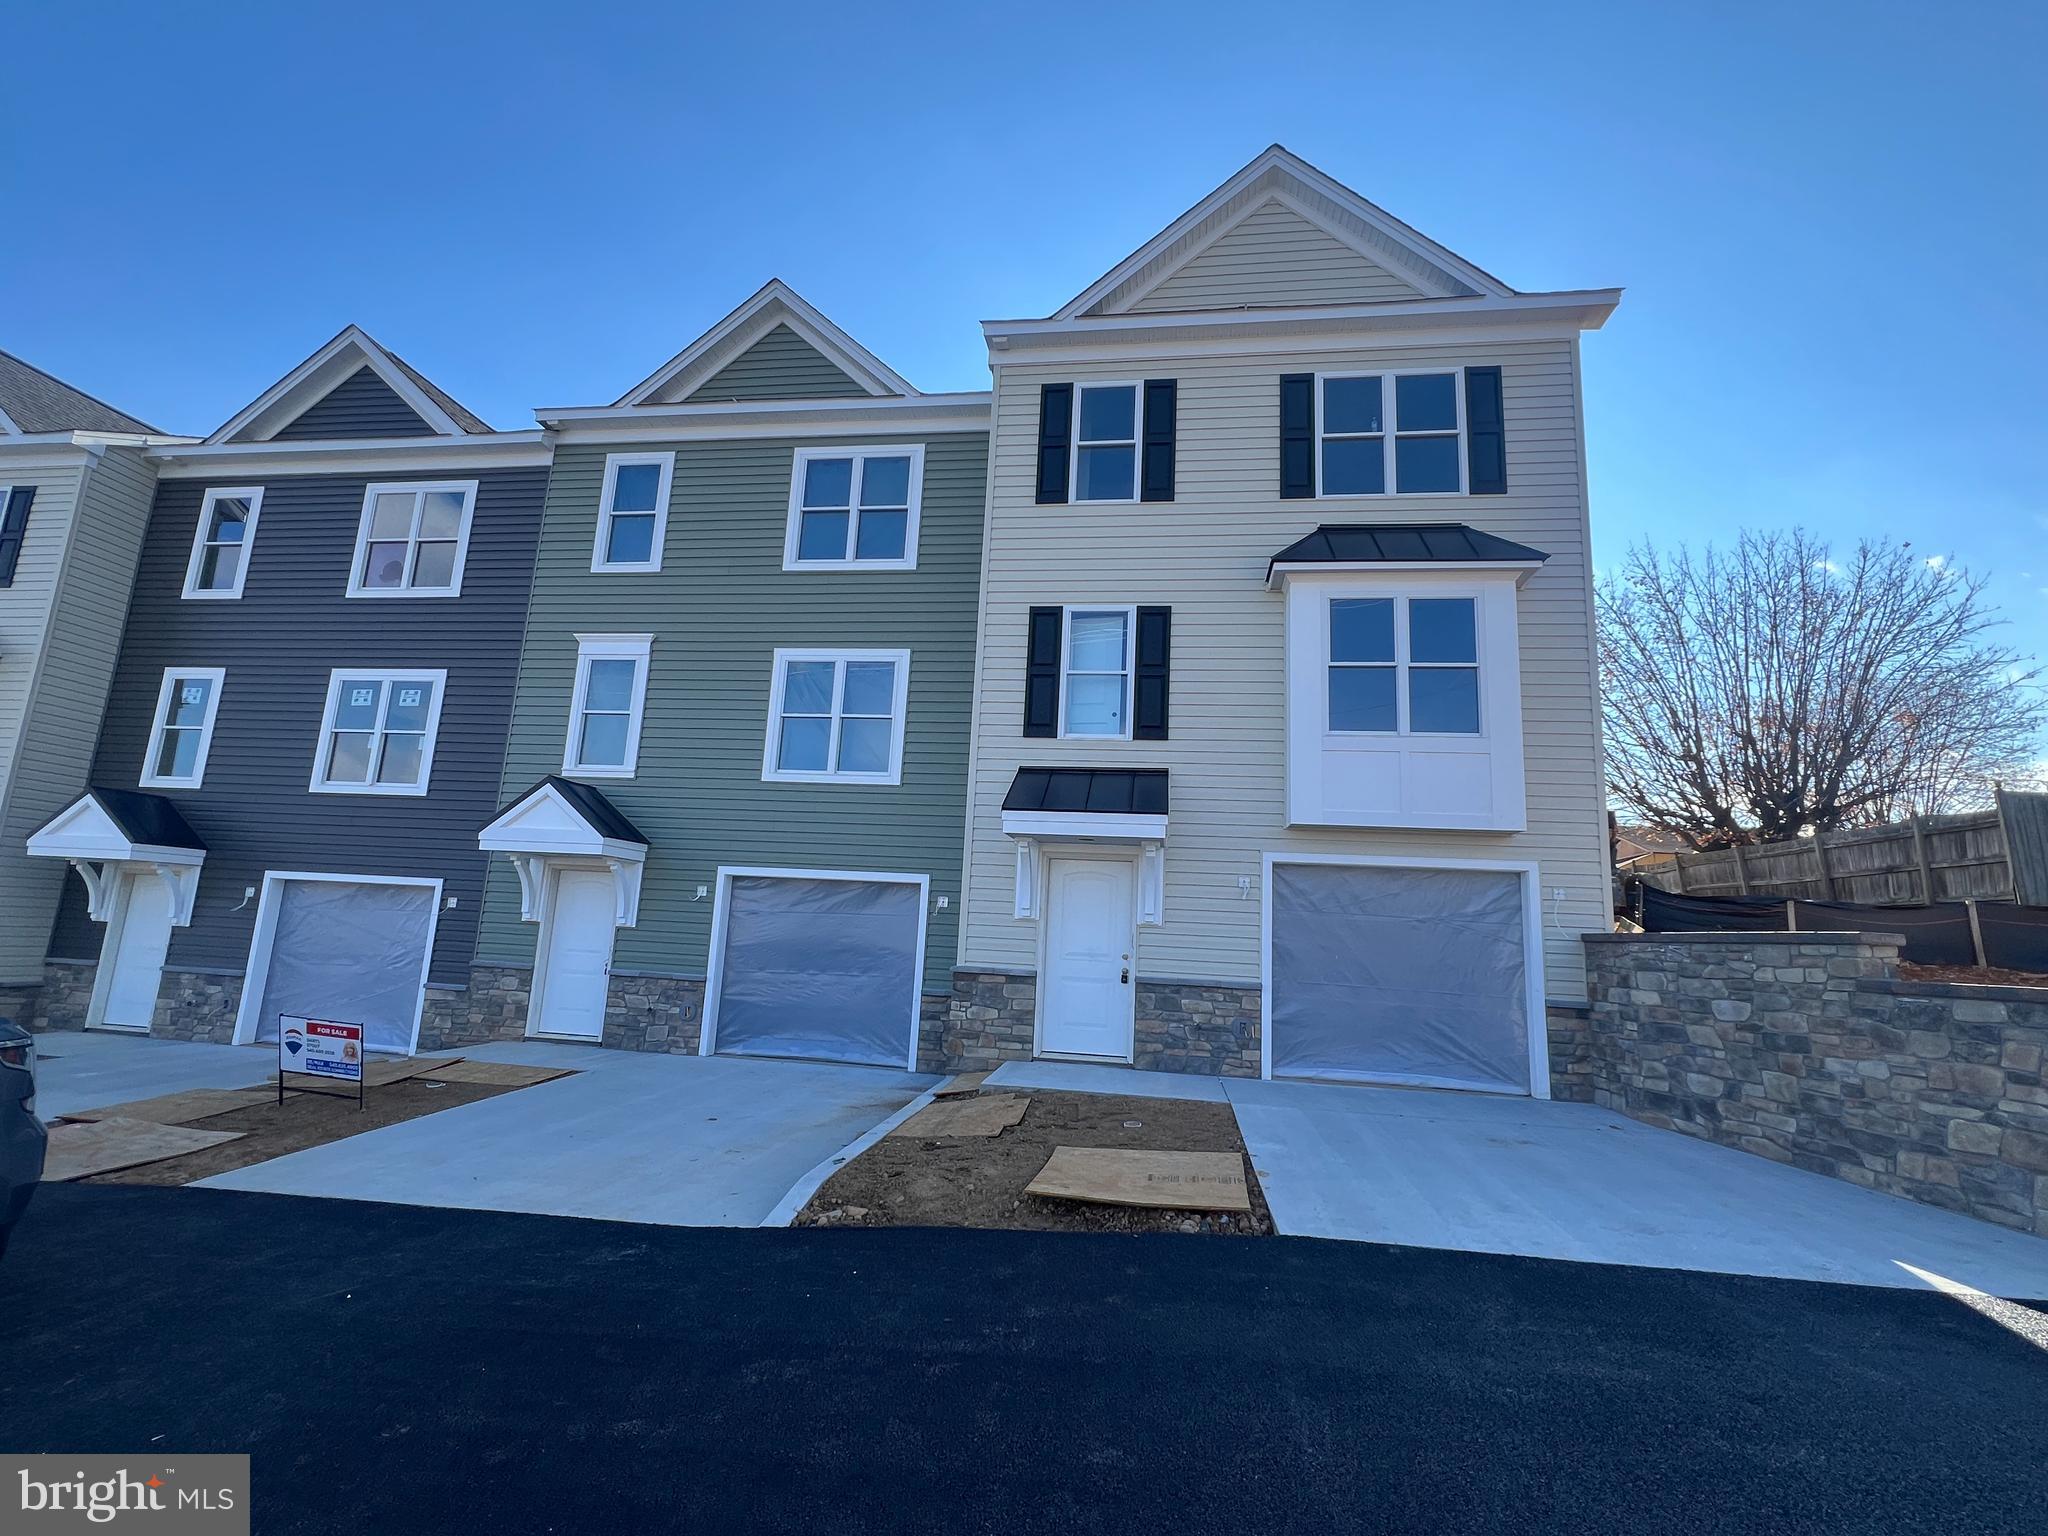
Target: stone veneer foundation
<point>1806,1048</point>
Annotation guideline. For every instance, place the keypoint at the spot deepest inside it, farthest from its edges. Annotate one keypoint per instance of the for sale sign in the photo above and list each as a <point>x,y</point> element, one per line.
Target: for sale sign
<point>321,1048</point>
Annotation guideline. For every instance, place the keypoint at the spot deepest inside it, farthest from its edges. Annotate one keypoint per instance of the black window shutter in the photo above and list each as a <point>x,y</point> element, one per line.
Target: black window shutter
<point>1155,658</point>
<point>13,528</point>
<point>1042,671</point>
<point>1160,397</point>
<point>1486,437</point>
<point>1055,435</point>
<point>1297,434</point>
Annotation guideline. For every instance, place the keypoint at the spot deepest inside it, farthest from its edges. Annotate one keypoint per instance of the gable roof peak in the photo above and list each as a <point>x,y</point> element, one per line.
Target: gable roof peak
<point>773,303</point>
<point>344,355</point>
<point>1277,174</point>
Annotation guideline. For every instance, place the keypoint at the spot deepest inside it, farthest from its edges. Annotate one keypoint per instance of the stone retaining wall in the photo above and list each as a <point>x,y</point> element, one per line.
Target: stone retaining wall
<point>1807,1048</point>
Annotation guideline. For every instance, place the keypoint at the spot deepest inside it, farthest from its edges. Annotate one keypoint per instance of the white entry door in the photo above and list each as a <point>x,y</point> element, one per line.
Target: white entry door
<point>579,956</point>
<point>139,949</point>
<point>1090,947</point>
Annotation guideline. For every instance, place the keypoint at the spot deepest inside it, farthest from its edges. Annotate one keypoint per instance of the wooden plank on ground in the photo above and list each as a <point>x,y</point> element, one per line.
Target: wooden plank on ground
<point>85,1147</point>
<point>1179,1181</point>
<point>507,1074</point>
<point>960,1085</point>
<point>184,1108</point>
<point>380,1074</point>
<point>987,1116</point>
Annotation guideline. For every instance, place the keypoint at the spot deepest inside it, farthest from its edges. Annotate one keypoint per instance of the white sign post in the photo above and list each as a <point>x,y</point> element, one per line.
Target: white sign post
<point>319,1048</point>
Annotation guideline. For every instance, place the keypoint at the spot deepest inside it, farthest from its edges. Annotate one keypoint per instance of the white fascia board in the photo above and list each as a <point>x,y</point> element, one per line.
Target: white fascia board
<point>1589,307</point>
<point>380,363</point>
<point>880,406</point>
<point>1277,577</point>
<point>1054,826</point>
<point>397,455</point>
<point>812,418</point>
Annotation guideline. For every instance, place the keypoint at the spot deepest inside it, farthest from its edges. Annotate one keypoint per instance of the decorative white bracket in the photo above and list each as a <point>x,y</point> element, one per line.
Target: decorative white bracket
<point>1151,884</point>
<point>1027,877</point>
<point>536,890</point>
<point>103,882</point>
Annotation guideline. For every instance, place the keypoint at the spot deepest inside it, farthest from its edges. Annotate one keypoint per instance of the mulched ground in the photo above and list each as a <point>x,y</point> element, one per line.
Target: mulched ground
<point>303,1120</point>
<point>1975,975</point>
<point>978,1181</point>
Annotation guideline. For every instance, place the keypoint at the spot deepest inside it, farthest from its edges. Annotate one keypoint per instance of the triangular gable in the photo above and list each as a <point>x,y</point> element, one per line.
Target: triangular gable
<point>1282,212</point>
<point>777,308</point>
<point>330,387</point>
<point>558,816</point>
<point>118,825</point>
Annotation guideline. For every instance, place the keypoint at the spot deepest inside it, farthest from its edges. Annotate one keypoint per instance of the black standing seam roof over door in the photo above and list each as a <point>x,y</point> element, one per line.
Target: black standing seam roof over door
<point>1094,791</point>
<point>1401,544</point>
<point>605,818</point>
<point>149,821</point>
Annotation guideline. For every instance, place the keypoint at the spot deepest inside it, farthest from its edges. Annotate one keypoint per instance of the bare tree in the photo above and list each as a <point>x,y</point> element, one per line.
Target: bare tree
<point>1753,694</point>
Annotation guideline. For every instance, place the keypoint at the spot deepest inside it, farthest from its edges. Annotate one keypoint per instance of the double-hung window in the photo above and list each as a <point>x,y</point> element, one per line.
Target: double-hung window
<point>1105,442</point>
<point>837,716</point>
<point>1404,665</point>
<point>377,734</point>
<point>632,515</point>
<point>413,539</point>
<point>854,509</point>
<point>1095,692</point>
<point>181,733</point>
<point>222,542</point>
<point>607,706</point>
<point>1398,432</point>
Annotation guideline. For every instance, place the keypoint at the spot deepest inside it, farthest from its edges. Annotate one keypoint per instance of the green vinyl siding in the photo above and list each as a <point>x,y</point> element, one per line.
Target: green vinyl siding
<point>780,366</point>
<point>718,609</point>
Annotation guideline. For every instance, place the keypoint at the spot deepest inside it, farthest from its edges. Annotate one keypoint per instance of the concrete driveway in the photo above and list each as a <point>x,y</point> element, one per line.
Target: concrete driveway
<point>1489,1174</point>
<point>680,1140</point>
<point>77,1071</point>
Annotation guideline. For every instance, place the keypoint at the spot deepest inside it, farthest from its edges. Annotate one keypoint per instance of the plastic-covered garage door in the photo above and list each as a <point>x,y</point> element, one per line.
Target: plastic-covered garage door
<point>352,953</point>
<point>1400,975</point>
<point>825,969</point>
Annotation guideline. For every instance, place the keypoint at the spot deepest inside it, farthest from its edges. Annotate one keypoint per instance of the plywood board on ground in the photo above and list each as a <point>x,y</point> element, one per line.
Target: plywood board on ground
<point>82,1148</point>
<point>183,1108</point>
<point>506,1074</point>
<point>377,1074</point>
<point>989,1116</point>
<point>1180,1181</point>
<point>961,1085</point>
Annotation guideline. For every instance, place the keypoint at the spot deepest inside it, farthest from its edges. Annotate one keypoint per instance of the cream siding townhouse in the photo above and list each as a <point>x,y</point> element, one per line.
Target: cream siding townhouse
<point>1286,753</point>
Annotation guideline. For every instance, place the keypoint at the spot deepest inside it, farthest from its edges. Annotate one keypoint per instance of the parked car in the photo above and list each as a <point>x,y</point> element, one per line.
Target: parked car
<point>22,1138</point>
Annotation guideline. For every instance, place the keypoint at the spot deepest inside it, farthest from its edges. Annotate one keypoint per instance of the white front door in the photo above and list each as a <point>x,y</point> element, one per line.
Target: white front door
<point>578,963</point>
<point>1090,947</point>
<point>138,952</point>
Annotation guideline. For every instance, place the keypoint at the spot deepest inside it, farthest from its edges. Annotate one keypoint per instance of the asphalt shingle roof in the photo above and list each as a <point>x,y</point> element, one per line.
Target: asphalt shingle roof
<point>37,402</point>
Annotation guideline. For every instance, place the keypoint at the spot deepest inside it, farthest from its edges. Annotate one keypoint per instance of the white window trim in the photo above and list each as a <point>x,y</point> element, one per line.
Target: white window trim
<point>1137,442</point>
<point>1391,431</point>
<point>160,722</point>
<point>254,495</point>
<point>635,648</point>
<point>438,676</point>
<point>1402,666</point>
<point>613,463</point>
<point>381,487</point>
<point>793,532</point>
<point>1130,613</point>
<point>898,706</point>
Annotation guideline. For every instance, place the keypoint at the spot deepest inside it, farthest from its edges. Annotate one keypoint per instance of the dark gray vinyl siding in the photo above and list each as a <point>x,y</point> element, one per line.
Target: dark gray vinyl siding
<point>718,609</point>
<point>780,366</point>
<point>361,405</point>
<point>279,642</point>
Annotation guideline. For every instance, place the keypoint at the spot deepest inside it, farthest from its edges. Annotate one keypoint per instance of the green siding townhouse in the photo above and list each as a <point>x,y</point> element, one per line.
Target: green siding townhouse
<point>75,487</point>
<point>735,782</point>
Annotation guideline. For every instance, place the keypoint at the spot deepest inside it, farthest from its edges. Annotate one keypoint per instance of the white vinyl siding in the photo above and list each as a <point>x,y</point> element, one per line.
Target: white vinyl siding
<point>1227,752</point>
<point>1276,257</point>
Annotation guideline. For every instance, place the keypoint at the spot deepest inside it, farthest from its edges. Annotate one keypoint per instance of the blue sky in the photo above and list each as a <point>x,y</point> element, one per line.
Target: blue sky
<point>1828,218</point>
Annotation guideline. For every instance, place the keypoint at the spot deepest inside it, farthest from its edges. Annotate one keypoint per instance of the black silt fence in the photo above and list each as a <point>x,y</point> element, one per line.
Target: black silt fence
<point>2015,938</point>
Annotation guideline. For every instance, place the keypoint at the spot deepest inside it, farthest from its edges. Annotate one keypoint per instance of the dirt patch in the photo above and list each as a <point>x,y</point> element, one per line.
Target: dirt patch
<point>303,1120</point>
<point>978,1181</point>
<point>1973,975</point>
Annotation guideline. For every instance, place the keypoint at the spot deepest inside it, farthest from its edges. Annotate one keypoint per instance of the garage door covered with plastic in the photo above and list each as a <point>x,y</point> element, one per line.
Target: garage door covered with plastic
<point>1400,975</point>
<point>823,969</point>
<point>356,954</point>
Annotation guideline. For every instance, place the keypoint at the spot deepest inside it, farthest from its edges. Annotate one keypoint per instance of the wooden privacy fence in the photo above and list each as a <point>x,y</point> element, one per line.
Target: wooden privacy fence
<point>1996,855</point>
